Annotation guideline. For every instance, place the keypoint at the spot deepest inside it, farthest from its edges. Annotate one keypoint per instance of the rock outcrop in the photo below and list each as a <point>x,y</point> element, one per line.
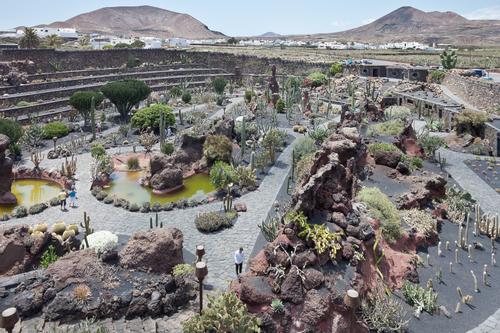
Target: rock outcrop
<point>423,190</point>
<point>157,250</point>
<point>6,175</point>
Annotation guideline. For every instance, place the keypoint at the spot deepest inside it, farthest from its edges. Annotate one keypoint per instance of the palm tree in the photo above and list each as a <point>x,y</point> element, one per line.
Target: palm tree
<point>30,39</point>
<point>54,41</point>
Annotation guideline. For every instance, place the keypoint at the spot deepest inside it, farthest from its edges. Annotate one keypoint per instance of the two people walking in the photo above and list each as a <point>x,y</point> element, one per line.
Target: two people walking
<point>63,196</point>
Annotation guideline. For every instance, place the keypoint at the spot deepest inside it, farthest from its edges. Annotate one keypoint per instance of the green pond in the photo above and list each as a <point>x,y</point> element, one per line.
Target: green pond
<point>30,192</point>
<point>125,185</point>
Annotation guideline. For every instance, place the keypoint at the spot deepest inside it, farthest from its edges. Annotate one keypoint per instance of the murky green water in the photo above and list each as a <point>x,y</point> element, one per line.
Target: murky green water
<point>126,185</point>
<point>30,192</point>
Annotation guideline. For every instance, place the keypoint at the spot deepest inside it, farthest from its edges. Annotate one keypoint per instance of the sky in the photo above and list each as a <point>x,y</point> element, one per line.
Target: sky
<point>250,17</point>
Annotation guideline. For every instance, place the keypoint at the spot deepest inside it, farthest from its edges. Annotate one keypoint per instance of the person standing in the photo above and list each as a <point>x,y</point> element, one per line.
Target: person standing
<point>72,197</point>
<point>239,258</point>
<point>62,199</point>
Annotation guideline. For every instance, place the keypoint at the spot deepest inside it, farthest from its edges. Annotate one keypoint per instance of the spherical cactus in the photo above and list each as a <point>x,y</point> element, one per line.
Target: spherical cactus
<point>37,234</point>
<point>73,227</point>
<point>68,234</point>
<point>59,228</point>
<point>42,227</point>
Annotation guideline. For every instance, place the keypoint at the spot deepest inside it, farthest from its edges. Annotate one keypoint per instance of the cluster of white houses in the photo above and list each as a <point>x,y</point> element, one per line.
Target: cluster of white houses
<point>100,41</point>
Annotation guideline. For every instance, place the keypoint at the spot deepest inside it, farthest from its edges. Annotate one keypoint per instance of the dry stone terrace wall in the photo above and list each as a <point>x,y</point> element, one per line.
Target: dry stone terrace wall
<point>46,59</point>
<point>482,94</point>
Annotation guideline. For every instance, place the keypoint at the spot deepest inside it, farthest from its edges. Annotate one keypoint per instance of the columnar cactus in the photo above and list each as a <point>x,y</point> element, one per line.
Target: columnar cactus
<point>243,136</point>
<point>252,160</point>
<point>162,129</point>
<point>474,279</point>
<point>92,117</point>
<point>86,227</point>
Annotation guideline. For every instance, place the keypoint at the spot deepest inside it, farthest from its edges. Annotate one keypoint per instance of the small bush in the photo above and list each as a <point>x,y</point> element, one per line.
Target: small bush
<point>20,211</point>
<point>384,313</point>
<point>471,122</point>
<point>423,222</point>
<point>390,127</point>
<point>280,106</point>
<point>222,174</point>
<point>383,210</point>
<point>175,91</point>
<point>133,163</point>
<point>219,85</point>
<point>420,298</point>
<point>397,112</point>
<point>182,269</point>
<point>430,144</point>
<point>12,129</point>
<point>245,176</point>
<point>186,97</point>
<point>97,150</point>
<point>217,148</point>
<point>212,221</point>
<point>277,306</point>
<point>168,148</point>
<point>373,148</point>
<point>55,129</point>
<point>317,79</point>
<point>149,117</point>
<point>22,104</point>
<point>319,134</point>
<point>303,147</point>
<point>230,307</point>
<point>248,96</point>
<point>48,257</point>
<point>336,68</point>
<point>436,76</point>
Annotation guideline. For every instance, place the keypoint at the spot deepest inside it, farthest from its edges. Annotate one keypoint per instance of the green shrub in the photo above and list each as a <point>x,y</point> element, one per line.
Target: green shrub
<point>186,97</point>
<point>222,174</point>
<point>167,148</point>
<point>317,79</point>
<point>245,176</point>
<point>217,148</point>
<point>319,134</point>
<point>97,150</point>
<point>56,129</point>
<point>219,85</point>
<point>82,102</point>
<point>471,122</point>
<point>22,104</point>
<point>248,96</point>
<point>149,117</point>
<point>225,313</point>
<point>430,144</point>
<point>280,106</point>
<point>133,163</point>
<point>397,112</point>
<point>182,269</point>
<point>48,257</point>
<point>336,68</point>
<point>12,129</point>
<point>175,91</point>
<point>304,146</point>
<point>422,299</point>
<point>384,313</point>
<point>436,76</point>
<point>212,221</point>
<point>277,306</point>
<point>373,148</point>
<point>383,210</point>
<point>390,127</point>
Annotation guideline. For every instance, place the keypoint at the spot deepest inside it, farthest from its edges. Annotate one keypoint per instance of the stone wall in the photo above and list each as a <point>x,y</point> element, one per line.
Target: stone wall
<point>491,133</point>
<point>49,60</point>
<point>482,94</point>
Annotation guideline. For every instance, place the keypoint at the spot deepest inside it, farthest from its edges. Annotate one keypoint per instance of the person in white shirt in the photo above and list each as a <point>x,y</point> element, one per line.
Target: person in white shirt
<point>239,258</point>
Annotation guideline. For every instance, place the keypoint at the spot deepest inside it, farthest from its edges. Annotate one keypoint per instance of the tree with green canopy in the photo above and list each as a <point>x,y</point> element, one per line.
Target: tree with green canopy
<point>124,94</point>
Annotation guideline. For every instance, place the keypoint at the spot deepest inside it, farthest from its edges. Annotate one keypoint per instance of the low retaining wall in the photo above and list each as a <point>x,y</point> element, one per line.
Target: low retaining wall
<point>482,94</point>
<point>48,60</point>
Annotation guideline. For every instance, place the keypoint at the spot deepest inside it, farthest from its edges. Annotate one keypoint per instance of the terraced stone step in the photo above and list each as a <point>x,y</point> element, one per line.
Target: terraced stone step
<point>68,82</point>
<point>68,91</point>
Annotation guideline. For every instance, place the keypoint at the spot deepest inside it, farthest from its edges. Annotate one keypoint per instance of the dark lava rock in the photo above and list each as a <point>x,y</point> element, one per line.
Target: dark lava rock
<point>291,288</point>
<point>256,290</point>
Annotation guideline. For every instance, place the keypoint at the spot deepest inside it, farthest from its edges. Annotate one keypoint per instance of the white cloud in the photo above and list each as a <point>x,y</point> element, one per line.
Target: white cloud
<point>368,21</point>
<point>488,13</point>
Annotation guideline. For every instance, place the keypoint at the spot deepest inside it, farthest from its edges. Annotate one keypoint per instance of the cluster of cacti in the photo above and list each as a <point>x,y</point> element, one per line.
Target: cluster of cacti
<point>371,91</point>
<point>37,158</point>
<point>86,227</point>
<point>68,168</point>
<point>59,230</point>
<point>448,59</point>
<point>487,224</point>
<point>156,224</point>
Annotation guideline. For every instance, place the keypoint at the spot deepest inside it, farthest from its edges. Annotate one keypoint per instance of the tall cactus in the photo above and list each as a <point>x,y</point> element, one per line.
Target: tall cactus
<point>243,136</point>
<point>92,117</point>
<point>88,230</point>
<point>162,130</point>
<point>181,120</point>
<point>252,160</point>
<point>449,59</point>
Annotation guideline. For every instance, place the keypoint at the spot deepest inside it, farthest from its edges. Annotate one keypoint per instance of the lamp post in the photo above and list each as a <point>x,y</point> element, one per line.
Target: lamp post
<point>200,252</point>
<point>201,272</point>
<point>9,319</point>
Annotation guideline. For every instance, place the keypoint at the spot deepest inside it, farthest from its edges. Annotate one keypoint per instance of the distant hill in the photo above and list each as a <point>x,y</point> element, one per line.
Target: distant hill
<point>411,24</point>
<point>139,21</point>
<point>269,34</point>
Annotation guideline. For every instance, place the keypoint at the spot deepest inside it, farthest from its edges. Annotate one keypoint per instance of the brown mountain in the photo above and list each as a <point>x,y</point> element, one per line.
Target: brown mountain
<point>411,24</point>
<point>139,21</point>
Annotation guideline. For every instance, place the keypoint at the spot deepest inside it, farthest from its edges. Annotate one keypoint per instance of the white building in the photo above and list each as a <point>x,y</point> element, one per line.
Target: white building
<point>65,33</point>
<point>98,43</point>
<point>151,42</point>
<point>177,42</point>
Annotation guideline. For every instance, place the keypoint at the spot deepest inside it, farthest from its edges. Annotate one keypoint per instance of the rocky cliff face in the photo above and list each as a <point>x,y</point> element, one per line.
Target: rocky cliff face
<point>6,176</point>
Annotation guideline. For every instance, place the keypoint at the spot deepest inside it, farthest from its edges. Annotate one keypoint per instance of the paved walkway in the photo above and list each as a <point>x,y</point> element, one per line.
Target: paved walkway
<point>220,246</point>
